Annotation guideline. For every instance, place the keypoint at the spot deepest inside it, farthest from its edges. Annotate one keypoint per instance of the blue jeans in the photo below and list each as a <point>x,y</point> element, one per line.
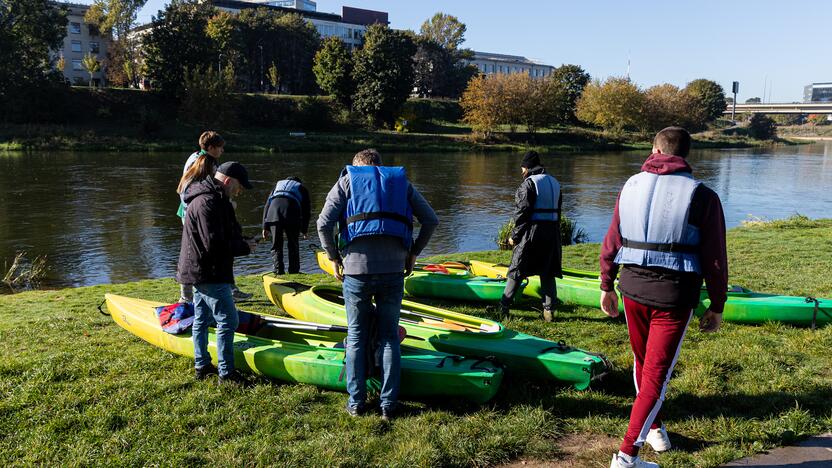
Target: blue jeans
<point>214,306</point>
<point>359,292</point>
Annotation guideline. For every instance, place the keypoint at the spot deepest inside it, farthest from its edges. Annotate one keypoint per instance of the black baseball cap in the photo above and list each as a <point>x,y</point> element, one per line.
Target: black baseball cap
<point>237,171</point>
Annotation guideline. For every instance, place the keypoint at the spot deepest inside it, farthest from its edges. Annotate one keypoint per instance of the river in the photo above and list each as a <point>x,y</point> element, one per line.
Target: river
<point>110,217</point>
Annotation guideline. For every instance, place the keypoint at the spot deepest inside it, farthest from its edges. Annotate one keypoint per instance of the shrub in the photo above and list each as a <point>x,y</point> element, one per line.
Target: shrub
<point>570,233</point>
<point>762,127</point>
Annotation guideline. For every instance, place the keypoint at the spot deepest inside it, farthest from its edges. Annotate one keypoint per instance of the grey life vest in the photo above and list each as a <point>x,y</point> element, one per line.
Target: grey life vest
<point>288,189</point>
<point>548,198</point>
<point>654,224</point>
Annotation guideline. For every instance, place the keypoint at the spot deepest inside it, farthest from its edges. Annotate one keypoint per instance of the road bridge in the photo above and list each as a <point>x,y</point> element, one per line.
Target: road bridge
<point>783,108</point>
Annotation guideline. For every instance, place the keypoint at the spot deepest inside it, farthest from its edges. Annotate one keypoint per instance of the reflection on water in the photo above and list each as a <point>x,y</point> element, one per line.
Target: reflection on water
<point>104,218</point>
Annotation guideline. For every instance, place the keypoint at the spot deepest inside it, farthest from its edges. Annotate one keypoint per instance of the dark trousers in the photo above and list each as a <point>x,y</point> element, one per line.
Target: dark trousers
<point>292,235</point>
<point>547,290</point>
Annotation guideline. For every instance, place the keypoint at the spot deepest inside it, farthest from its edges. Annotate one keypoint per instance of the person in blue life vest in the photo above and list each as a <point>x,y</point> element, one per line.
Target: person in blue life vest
<point>667,235</point>
<point>211,149</point>
<point>536,235</point>
<point>372,208</point>
<point>286,213</point>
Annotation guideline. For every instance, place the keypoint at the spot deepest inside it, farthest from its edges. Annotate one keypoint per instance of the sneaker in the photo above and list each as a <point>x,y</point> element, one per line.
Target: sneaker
<point>203,372</point>
<point>387,414</point>
<point>547,315</point>
<point>240,296</point>
<point>658,439</point>
<point>234,377</point>
<point>619,462</point>
<point>354,410</point>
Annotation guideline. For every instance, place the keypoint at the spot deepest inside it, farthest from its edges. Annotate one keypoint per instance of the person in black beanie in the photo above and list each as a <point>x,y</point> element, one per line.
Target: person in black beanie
<point>536,235</point>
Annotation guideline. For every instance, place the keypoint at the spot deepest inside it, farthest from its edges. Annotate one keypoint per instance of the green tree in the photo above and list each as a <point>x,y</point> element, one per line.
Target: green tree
<point>573,80</point>
<point>615,104</point>
<point>383,74</point>
<point>439,71</point>
<point>29,31</point>
<point>761,127</point>
<point>179,41</point>
<point>274,77</point>
<point>445,30</point>
<point>115,18</point>
<point>91,65</point>
<point>709,97</point>
<point>207,96</point>
<point>754,100</point>
<point>333,71</point>
<point>295,53</point>
<point>667,105</point>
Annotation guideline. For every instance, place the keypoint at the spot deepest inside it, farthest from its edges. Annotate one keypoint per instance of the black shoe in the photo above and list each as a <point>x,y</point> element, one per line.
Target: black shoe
<point>234,377</point>
<point>202,373</point>
<point>355,410</point>
<point>388,414</point>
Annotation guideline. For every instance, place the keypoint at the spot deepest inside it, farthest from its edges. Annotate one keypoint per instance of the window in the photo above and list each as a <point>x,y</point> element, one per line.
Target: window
<point>76,65</point>
<point>493,68</point>
<point>75,28</point>
<point>94,47</point>
<point>76,46</point>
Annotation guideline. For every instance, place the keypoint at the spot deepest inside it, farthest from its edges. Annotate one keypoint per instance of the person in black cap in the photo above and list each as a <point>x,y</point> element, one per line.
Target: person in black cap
<point>536,235</point>
<point>211,238</point>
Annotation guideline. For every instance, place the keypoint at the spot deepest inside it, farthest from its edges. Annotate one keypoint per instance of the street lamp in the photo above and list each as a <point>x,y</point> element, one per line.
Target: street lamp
<point>735,88</point>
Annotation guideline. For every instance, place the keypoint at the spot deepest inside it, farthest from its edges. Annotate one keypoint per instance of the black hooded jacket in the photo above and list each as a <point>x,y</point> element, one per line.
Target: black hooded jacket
<point>537,246</point>
<point>211,236</point>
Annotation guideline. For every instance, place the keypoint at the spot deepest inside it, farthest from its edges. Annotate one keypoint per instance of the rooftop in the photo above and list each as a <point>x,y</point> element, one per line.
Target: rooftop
<point>507,58</point>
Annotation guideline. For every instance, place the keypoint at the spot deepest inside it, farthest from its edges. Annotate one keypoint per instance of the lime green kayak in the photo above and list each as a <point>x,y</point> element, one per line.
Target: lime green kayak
<point>309,353</point>
<point>743,306</point>
<point>436,329</point>
<point>444,281</point>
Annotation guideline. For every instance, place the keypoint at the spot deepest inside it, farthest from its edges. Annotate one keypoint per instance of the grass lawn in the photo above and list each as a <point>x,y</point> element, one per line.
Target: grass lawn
<point>75,389</point>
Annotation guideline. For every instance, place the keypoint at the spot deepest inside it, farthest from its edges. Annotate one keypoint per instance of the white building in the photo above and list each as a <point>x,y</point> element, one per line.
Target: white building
<point>81,39</point>
<point>501,64</point>
<point>350,26</point>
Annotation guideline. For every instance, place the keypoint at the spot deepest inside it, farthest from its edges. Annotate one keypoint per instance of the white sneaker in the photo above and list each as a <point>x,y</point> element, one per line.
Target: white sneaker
<point>618,462</point>
<point>658,439</point>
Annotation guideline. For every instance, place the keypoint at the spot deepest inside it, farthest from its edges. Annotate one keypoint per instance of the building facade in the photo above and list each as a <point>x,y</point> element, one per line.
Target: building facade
<point>350,26</point>
<point>81,39</point>
<point>501,64</point>
<point>817,92</point>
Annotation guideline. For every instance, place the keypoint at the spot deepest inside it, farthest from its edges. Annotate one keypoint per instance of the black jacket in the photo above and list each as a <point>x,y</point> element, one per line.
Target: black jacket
<point>285,212</point>
<point>537,246</point>
<point>211,236</point>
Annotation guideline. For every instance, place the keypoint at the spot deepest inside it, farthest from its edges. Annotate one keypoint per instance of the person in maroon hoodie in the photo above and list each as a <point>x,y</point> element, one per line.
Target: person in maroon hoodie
<point>668,233</point>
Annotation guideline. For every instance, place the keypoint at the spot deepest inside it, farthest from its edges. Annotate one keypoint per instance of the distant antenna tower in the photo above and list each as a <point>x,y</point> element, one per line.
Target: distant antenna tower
<point>628,65</point>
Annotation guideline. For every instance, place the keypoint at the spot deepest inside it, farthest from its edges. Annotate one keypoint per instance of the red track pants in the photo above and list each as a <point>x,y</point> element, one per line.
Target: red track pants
<point>656,338</point>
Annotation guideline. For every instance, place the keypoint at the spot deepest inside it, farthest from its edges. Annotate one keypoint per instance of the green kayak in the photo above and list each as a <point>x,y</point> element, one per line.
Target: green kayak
<point>309,353</point>
<point>431,328</point>
<point>743,306</point>
<point>444,281</point>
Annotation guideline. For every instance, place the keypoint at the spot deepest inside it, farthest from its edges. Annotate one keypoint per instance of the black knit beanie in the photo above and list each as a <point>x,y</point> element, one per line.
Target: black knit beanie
<point>530,159</point>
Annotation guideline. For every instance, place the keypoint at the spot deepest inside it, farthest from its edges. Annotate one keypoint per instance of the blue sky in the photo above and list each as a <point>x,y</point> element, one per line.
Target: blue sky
<point>779,46</point>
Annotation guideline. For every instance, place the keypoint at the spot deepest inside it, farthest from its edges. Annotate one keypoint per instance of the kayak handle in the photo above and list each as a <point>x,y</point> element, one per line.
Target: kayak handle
<point>100,310</point>
<point>453,357</point>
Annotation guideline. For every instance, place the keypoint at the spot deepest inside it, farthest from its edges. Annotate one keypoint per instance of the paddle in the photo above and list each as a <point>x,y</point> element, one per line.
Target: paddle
<point>300,325</point>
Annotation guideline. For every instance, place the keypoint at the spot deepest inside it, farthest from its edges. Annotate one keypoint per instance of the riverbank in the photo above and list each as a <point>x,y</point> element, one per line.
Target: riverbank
<point>77,389</point>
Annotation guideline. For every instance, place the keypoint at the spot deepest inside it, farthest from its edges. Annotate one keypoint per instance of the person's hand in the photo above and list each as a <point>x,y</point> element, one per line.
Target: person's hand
<point>609,303</point>
<point>511,241</point>
<point>338,269</point>
<point>409,264</point>
<point>710,321</point>
<point>266,233</point>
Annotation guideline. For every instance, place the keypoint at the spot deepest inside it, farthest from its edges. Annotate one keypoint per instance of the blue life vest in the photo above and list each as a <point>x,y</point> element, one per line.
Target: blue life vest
<point>288,189</point>
<point>378,204</point>
<point>654,224</point>
<point>548,198</point>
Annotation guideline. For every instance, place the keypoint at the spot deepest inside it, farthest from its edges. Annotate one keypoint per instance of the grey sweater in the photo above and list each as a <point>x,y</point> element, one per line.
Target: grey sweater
<point>372,254</point>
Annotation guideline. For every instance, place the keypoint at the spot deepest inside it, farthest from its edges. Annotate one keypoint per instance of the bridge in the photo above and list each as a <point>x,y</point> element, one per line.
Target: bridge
<point>776,108</point>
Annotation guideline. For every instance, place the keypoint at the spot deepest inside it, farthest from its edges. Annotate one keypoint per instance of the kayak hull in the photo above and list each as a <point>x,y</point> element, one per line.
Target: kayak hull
<point>743,306</point>
<point>521,354</point>
<point>453,284</point>
<point>315,357</point>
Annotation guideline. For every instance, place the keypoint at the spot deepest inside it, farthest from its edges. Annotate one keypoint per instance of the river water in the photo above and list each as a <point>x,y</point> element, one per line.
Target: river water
<point>110,217</point>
